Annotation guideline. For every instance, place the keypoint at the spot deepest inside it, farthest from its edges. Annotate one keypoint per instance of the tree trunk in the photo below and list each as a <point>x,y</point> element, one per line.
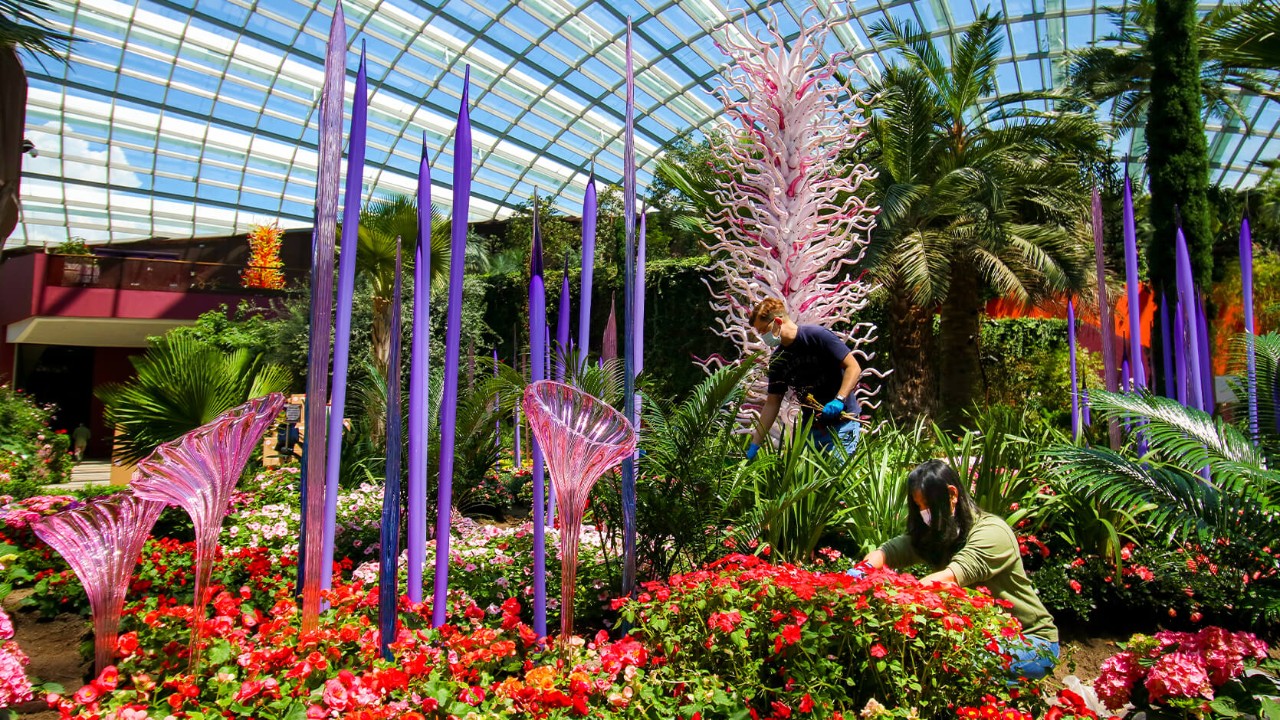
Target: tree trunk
<point>381,342</point>
<point>912,385</point>
<point>959,331</point>
<point>13,111</point>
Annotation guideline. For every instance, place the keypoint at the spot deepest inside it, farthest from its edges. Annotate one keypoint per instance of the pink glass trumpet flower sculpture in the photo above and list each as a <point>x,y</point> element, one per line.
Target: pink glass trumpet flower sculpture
<point>581,437</point>
<point>101,541</point>
<point>197,472</point>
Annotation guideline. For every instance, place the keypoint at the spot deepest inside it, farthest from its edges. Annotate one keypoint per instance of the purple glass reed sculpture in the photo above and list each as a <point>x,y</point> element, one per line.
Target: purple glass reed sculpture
<point>562,323</point>
<point>581,437</point>
<point>342,321</point>
<point>101,541</point>
<point>1105,320</point>
<point>609,343</point>
<point>537,370</point>
<point>588,269</point>
<point>1251,359</point>
<point>628,326</point>
<point>388,568</point>
<point>1187,299</point>
<point>419,384</point>
<point>1166,349</point>
<point>1139,375</point>
<point>1075,388</point>
<point>453,336</point>
<point>197,472</point>
<point>310,545</point>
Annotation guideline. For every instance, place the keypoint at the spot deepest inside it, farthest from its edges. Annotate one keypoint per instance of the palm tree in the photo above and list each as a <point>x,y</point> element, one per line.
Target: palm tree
<point>381,222</point>
<point>181,384</point>
<point>1237,49</point>
<point>1249,40</point>
<point>976,195</point>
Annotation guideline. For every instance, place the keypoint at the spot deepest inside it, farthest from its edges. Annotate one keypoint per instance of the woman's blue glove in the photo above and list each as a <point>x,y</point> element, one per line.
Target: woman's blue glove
<point>832,410</point>
<point>752,449</point>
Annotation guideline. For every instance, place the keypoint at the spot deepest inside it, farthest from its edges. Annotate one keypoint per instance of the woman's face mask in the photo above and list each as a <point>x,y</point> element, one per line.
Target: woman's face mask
<point>927,517</point>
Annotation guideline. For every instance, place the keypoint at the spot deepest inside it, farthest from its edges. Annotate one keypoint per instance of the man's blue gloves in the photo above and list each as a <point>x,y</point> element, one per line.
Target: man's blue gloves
<point>752,450</point>
<point>832,410</point>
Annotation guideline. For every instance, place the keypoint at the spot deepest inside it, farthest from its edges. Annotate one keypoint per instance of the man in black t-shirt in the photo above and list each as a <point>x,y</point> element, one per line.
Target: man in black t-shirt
<point>812,362</point>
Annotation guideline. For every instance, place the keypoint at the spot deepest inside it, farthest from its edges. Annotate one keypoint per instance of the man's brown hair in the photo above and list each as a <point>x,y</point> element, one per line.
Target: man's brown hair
<point>766,310</point>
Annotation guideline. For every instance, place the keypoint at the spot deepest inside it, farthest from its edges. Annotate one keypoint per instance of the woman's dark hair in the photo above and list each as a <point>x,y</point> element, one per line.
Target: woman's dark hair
<point>937,544</point>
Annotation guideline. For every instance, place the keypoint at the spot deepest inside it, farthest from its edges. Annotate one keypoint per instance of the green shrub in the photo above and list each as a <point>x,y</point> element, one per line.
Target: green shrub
<point>31,453</point>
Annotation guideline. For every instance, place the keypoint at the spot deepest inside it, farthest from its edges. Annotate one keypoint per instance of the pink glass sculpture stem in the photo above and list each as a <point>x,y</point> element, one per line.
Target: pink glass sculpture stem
<point>101,542</point>
<point>197,472</point>
<point>581,437</point>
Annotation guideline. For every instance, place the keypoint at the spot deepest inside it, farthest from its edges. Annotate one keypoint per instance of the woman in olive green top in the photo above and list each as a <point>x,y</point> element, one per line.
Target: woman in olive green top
<point>967,547</point>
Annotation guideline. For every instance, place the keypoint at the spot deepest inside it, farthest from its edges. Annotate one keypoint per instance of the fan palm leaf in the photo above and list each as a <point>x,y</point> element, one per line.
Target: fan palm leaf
<point>180,385</point>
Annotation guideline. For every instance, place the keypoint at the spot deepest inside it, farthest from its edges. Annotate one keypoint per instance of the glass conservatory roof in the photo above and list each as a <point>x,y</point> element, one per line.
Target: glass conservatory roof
<point>181,118</point>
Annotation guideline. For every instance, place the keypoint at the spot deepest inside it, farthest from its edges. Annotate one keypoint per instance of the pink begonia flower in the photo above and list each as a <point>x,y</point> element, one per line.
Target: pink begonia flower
<point>1116,678</point>
<point>6,626</point>
<point>15,686</point>
<point>1178,675</point>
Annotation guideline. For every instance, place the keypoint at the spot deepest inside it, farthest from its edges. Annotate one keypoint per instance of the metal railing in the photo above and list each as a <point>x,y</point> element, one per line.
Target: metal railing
<point>127,273</point>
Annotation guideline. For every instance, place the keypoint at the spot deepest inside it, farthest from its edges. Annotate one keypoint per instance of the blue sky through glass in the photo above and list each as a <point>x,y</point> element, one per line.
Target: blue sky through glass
<point>205,109</point>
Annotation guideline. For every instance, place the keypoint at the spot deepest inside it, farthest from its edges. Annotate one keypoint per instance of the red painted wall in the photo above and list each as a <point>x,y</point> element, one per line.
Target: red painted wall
<point>110,365</point>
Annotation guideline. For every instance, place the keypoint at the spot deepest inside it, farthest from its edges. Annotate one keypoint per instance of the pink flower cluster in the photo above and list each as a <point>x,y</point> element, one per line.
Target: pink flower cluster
<point>22,513</point>
<point>15,686</point>
<point>1177,665</point>
<point>1223,653</point>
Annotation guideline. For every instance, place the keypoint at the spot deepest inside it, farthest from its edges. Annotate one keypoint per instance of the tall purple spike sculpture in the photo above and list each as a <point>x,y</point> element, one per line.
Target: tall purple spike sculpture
<point>1251,360</point>
<point>1167,350</point>
<point>419,383</point>
<point>311,544</point>
<point>1187,299</point>
<point>583,437</point>
<point>1131,285</point>
<point>1105,323</point>
<point>639,298</point>
<point>562,323</point>
<point>1206,360</point>
<point>388,578</point>
<point>497,406</point>
<point>101,541</point>
<point>453,338</point>
<point>1075,391</point>
<point>537,333</point>
<point>342,330</point>
<point>609,343</point>
<point>197,472</point>
<point>628,327</point>
<point>1180,352</point>
<point>588,269</point>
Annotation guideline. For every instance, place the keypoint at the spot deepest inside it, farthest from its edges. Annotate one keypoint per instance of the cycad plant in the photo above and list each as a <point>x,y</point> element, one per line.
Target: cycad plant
<point>1202,481</point>
<point>979,191</point>
<point>180,385</point>
<point>691,472</point>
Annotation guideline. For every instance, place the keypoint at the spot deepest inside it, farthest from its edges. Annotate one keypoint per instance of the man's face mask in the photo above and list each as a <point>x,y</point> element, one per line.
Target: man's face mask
<point>770,339</point>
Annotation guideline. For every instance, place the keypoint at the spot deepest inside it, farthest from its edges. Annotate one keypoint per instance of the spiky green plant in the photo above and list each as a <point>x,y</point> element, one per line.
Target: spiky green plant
<point>180,385</point>
<point>1267,354</point>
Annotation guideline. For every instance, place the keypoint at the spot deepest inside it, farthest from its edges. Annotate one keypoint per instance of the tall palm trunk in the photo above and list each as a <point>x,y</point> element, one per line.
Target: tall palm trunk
<point>913,385</point>
<point>381,342</point>
<point>960,327</point>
